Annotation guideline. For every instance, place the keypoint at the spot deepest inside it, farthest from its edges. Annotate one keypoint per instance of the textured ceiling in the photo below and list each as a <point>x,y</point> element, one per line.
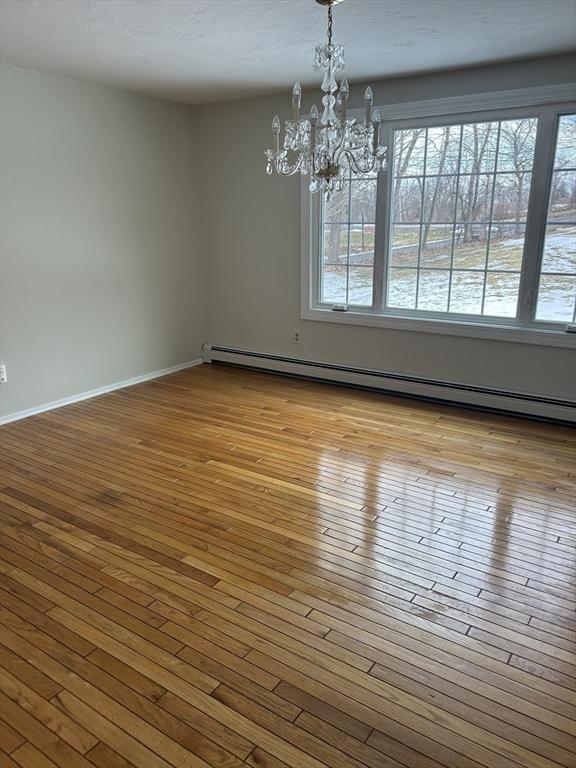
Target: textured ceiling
<point>207,50</point>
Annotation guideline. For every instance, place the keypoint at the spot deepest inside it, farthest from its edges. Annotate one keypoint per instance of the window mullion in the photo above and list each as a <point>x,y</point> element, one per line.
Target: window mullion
<point>382,227</point>
<point>490,215</point>
<point>348,238</point>
<point>455,217</point>
<point>537,216</point>
<point>422,208</point>
<point>317,223</point>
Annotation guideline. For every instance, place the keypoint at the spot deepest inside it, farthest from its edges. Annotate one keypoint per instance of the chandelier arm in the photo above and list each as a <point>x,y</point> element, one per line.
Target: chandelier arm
<point>352,147</point>
<point>356,166</point>
<point>284,168</point>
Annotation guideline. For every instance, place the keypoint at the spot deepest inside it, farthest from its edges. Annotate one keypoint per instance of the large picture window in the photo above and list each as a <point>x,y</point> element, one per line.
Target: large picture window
<point>474,221</point>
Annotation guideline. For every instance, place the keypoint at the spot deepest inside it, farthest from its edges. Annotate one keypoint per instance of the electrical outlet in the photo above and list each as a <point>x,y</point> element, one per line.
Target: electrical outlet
<point>296,335</point>
<point>3,374</point>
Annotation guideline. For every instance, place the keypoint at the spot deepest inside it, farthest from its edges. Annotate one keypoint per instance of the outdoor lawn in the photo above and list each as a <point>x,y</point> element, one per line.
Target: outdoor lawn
<point>467,287</point>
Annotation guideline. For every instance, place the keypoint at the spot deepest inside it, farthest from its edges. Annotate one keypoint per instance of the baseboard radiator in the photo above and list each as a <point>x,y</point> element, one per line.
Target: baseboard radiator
<point>535,406</point>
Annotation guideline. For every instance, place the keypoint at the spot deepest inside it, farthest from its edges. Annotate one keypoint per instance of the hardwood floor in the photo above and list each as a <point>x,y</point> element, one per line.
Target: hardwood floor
<point>226,568</point>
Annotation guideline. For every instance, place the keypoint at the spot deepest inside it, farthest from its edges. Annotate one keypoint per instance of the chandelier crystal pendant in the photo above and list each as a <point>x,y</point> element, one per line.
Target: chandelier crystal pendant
<point>331,147</point>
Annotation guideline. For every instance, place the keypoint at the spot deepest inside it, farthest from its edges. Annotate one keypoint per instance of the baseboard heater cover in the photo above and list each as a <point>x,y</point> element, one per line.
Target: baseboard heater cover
<point>398,384</point>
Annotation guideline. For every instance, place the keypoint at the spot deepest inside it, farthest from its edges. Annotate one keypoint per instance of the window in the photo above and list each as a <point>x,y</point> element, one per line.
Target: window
<point>472,225</point>
<point>458,216</point>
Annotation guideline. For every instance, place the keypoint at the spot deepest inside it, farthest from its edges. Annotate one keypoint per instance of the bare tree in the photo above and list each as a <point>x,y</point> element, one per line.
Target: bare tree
<point>404,146</point>
<point>336,210</point>
<point>517,139</point>
<point>436,194</point>
<point>472,193</point>
<point>563,189</point>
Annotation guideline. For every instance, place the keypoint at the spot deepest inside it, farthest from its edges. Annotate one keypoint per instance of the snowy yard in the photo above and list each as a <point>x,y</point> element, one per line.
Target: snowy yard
<point>467,287</point>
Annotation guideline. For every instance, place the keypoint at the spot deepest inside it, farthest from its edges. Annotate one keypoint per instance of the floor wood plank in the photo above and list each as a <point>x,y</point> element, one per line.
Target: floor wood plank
<point>223,568</point>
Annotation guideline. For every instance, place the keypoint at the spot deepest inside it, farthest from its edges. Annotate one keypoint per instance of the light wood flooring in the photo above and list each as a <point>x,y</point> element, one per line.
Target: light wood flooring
<point>226,568</point>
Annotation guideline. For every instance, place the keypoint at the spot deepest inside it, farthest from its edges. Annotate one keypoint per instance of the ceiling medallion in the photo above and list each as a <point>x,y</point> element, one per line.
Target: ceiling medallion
<point>331,147</point>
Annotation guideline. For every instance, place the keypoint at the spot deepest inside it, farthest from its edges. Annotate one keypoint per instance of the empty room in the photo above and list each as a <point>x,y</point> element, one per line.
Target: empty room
<point>288,384</point>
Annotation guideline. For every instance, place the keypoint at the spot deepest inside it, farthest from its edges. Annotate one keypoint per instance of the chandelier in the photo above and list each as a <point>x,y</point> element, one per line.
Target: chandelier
<point>331,147</point>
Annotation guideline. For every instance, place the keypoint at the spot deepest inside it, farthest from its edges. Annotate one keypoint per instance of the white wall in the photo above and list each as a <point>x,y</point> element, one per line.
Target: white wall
<point>251,233</point>
<point>135,229</point>
<point>101,257</point>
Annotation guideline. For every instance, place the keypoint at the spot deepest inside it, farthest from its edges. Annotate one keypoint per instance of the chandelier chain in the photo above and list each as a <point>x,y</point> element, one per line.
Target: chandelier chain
<point>329,26</point>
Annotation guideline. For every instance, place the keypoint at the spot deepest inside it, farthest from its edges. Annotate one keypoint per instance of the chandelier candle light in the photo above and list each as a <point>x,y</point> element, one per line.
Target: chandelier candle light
<point>332,147</point>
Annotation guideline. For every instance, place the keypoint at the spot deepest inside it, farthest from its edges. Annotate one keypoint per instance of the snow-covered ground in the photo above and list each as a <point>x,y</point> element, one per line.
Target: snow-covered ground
<point>556,297</point>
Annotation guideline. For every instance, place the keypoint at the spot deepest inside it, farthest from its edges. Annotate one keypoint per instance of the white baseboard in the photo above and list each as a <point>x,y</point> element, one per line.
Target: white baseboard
<point>96,392</point>
<point>430,389</point>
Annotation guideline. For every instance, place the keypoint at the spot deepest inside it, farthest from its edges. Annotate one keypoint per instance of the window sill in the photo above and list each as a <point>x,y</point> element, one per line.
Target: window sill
<point>535,336</point>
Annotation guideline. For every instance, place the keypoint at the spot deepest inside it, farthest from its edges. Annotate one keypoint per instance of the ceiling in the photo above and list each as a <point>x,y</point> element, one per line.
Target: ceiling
<point>207,50</point>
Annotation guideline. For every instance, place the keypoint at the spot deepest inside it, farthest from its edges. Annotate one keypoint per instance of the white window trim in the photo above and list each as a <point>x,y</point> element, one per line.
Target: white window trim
<point>533,99</point>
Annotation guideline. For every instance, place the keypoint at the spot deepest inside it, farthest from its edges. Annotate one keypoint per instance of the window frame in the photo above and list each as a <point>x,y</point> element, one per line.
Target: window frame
<point>547,104</point>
